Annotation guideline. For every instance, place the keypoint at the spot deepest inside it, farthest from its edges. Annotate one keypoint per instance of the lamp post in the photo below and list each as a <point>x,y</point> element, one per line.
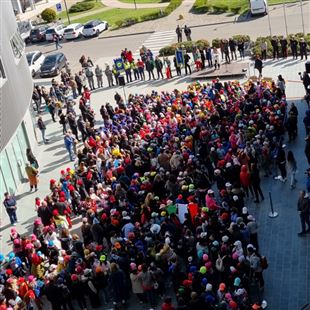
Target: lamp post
<point>302,17</point>
<point>134,1</point>
<point>284,11</point>
<point>67,11</point>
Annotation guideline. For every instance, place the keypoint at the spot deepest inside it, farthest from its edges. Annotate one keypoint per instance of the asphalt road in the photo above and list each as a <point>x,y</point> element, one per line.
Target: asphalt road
<point>106,47</point>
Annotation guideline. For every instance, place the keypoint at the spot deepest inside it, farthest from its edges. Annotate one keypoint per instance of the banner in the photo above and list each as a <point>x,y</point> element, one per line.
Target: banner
<point>179,57</point>
<point>119,65</point>
<point>182,210</point>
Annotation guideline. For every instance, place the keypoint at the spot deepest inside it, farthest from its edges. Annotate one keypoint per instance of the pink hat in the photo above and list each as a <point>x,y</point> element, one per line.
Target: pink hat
<point>16,241</point>
<point>133,266</point>
<point>38,221</point>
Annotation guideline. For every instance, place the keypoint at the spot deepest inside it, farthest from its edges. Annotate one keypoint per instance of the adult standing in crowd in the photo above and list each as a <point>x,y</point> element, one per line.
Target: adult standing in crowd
<point>108,73</point>
<point>294,47</point>
<point>99,76</point>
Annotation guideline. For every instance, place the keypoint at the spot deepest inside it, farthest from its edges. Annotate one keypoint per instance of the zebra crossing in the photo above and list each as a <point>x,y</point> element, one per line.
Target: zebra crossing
<point>156,41</point>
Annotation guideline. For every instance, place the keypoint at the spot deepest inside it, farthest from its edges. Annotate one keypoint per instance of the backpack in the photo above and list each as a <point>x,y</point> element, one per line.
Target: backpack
<point>264,262</point>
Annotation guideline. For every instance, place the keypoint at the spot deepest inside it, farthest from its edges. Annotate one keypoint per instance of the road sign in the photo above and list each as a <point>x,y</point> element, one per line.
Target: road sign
<point>119,65</point>
<point>58,7</point>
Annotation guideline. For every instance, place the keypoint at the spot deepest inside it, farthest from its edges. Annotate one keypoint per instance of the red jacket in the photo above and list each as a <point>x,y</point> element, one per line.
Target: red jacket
<point>245,176</point>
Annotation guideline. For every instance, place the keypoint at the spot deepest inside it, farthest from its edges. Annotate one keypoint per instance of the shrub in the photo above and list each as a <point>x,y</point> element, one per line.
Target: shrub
<point>167,50</point>
<point>189,46</point>
<point>81,6</point>
<point>48,15</point>
<point>216,42</point>
<point>201,6</point>
<point>172,6</point>
<point>126,22</point>
<point>151,16</point>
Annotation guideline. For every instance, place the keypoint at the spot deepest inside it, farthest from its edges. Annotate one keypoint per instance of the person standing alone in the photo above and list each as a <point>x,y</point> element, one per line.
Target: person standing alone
<point>42,128</point>
<point>10,207</point>
<point>303,208</point>
<point>179,33</point>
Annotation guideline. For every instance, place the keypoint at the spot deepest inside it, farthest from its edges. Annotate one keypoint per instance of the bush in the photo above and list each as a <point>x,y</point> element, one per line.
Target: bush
<point>201,6</point>
<point>172,6</point>
<point>81,6</point>
<point>152,16</point>
<point>126,22</point>
<point>48,15</point>
<point>216,42</point>
<point>189,46</point>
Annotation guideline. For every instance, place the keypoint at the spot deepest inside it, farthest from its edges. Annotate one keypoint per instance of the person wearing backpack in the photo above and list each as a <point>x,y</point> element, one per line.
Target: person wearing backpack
<point>254,260</point>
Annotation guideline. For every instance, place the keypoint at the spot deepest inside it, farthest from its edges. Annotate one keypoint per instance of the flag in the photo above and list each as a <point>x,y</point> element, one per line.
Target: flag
<point>119,65</point>
<point>179,57</point>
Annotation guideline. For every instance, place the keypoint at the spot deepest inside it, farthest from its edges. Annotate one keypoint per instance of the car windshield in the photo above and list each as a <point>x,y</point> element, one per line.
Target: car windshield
<point>50,60</point>
<point>34,32</point>
<point>29,57</point>
<point>49,31</point>
<point>88,26</point>
<point>68,30</point>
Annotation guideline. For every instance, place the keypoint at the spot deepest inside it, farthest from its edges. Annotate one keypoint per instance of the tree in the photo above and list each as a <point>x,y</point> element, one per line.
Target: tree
<point>48,15</point>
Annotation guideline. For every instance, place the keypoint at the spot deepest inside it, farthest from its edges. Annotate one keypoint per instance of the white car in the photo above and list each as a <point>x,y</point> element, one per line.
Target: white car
<point>73,31</point>
<point>94,28</point>
<point>258,7</point>
<point>50,32</point>
<point>35,60</point>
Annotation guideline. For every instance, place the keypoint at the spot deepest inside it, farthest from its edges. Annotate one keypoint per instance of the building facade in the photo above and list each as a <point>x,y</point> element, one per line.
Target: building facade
<point>16,121</point>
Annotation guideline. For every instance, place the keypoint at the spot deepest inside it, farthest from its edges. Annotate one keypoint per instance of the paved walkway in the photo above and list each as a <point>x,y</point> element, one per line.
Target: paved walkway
<point>123,5</point>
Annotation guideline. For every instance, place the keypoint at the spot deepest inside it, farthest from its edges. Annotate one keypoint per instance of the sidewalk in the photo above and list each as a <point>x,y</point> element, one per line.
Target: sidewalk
<point>122,5</point>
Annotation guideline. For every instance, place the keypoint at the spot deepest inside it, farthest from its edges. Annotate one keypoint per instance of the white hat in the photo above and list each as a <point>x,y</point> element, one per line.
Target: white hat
<point>235,198</point>
<point>228,184</point>
<point>225,238</point>
<point>228,165</point>
<point>244,210</point>
<point>209,287</point>
<point>210,191</point>
<point>250,217</point>
<point>155,229</point>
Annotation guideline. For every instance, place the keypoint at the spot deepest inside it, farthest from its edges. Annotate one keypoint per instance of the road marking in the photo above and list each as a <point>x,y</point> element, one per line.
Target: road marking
<point>156,41</point>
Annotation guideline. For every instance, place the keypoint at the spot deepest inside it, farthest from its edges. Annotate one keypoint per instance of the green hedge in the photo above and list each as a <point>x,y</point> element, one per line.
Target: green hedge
<point>82,6</point>
<point>187,45</point>
<point>216,42</point>
<point>172,6</point>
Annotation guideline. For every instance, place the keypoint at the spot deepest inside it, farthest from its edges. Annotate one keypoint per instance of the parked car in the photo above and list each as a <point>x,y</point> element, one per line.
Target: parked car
<point>94,28</point>
<point>50,32</point>
<point>38,34</point>
<point>258,7</point>
<point>53,64</point>
<point>24,28</point>
<point>73,31</point>
<point>35,60</point>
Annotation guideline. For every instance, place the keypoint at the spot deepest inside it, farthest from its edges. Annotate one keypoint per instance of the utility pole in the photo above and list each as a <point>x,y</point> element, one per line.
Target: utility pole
<point>67,11</point>
<point>284,10</point>
<point>269,19</point>
<point>302,17</point>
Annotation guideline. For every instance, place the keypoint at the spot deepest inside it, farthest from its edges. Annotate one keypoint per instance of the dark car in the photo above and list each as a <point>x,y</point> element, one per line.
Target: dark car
<point>38,34</point>
<point>53,64</point>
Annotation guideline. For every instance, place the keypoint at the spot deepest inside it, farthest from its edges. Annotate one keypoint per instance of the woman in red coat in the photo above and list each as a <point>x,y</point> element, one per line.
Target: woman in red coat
<point>245,180</point>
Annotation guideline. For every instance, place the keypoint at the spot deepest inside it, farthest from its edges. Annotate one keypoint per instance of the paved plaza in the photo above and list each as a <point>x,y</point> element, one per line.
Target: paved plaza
<point>288,276</point>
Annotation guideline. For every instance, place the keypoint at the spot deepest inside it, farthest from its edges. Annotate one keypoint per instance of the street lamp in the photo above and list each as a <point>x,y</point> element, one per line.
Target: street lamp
<point>134,1</point>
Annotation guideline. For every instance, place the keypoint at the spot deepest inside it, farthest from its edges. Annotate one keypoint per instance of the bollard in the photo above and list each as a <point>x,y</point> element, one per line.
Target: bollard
<point>272,214</point>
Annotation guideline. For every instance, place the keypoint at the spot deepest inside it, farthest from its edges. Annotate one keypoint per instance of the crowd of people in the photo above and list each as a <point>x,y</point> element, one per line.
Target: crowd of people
<point>162,190</point>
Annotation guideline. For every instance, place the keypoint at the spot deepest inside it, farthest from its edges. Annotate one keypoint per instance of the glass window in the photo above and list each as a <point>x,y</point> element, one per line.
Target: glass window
<point>19,156</point>
<point>13,162</point>
<point>22,140</point>
<point>6,170</point>
<point>3,188</point>
<point>18,45</point>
